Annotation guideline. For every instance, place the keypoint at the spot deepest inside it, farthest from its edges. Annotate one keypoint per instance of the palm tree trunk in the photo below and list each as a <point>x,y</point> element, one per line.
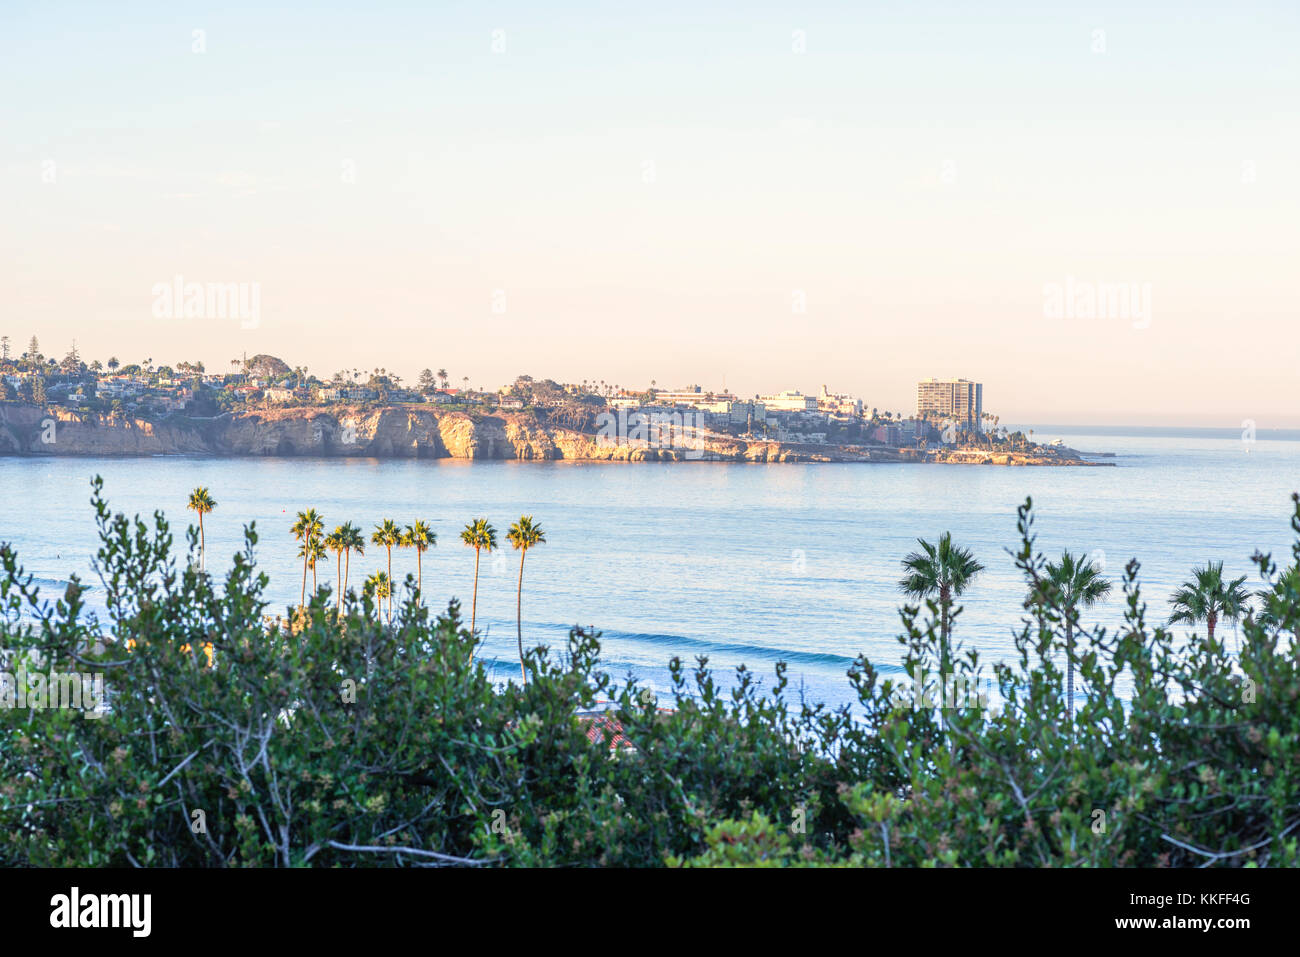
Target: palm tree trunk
<point>390,584</point>
<point>943,632</point>
<point>419,570</point>
<point>338,562</point>
<point>203,547</point>
<point>519,614</point>
<point>943,665</point>
<point>1210,621</point>
<point>1069,668</point>
<point>303,600</point>
<point>473,607</point>
<point>347,567</point>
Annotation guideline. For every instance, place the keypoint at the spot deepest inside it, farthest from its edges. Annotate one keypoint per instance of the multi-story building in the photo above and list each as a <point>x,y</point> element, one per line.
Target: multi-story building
<point>839,404</point>
<point>695,398</point>
<point>747,414</point>
<point>957,400</point>
<point>789,401</point>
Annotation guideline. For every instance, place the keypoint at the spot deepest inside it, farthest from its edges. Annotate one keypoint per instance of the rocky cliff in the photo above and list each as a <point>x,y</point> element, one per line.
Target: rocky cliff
<point>406,432</point>
<point>389,432</point>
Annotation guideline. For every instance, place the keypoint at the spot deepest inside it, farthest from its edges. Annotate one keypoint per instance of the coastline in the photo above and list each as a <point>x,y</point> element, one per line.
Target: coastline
<point>399,431</point>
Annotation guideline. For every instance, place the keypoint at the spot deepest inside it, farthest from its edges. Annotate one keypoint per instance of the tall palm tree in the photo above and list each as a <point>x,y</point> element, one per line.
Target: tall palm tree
<point>1078,585</point>
<point>1207,597</point>
<point>420,536</point>
<point>354,541</point>
<point>381,586</point>
<point>305,528</point>
<point>944,572</point>
<point>389,536</point>
<point>312,551</point>
<point>480,536</point>
<point>201,502</point>
<point>336,541</point>
<point>523,535</point>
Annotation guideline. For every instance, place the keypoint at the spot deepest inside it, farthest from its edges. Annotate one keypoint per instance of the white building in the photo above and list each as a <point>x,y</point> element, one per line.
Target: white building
<point>838,403</point>
<point>789,401</point>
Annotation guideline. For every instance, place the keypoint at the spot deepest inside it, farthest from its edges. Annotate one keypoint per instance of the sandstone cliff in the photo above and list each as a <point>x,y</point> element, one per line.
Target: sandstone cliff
<point>389,432</point>
<point>401,432</point>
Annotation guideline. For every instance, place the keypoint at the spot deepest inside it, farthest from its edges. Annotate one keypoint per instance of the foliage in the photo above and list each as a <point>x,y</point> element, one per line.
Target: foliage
<point>328,738</point>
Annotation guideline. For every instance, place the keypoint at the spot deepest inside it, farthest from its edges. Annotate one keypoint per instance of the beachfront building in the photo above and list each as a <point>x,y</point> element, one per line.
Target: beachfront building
<point>954,400</point>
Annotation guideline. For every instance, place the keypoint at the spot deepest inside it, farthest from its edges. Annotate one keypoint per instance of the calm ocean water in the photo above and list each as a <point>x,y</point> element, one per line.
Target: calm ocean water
<point>743,563</point>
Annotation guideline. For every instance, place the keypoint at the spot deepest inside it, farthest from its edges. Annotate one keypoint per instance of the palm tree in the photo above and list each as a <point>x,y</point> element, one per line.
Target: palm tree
<point>336,541</point>
<point>388,535</point>
<point>1281,593</point>
<point>353,541</point>
<point>1208,598</point>
<point>478,535</point>
<point>1078,584</point>
<point>420,536</point>
<point>381,586</point>
<point>201,502</point>
<point>523,535</point>
<point>442,374</point>
<point>944,572</point>
<point>305,528</point>
<point>312,551</point>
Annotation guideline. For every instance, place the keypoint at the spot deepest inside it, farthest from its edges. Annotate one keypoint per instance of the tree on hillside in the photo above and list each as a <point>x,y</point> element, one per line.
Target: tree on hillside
<point>268,367</point>
<point>71,364</point>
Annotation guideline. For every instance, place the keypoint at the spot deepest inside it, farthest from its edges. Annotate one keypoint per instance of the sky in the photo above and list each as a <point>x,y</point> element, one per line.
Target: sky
<point>763,196</point>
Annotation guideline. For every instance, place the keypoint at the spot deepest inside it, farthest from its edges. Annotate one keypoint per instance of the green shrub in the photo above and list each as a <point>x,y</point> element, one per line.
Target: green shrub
<point>325,739</point>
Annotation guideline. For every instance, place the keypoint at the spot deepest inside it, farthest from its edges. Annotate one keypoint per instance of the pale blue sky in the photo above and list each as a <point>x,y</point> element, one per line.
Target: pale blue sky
<point>652,188</point>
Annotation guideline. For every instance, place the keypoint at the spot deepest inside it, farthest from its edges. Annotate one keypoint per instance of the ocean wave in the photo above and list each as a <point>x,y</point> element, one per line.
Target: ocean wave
<point>745,651</point>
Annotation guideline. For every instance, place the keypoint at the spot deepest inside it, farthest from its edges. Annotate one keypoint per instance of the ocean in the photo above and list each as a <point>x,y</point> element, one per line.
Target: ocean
<point>749,564</point>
